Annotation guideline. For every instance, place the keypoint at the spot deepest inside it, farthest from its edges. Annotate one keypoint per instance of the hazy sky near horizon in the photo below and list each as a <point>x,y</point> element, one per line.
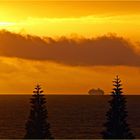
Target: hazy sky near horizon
<point>104,43</point>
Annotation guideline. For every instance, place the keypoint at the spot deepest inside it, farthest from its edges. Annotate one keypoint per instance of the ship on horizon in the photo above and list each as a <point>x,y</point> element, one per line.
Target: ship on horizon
<point>97,91</point>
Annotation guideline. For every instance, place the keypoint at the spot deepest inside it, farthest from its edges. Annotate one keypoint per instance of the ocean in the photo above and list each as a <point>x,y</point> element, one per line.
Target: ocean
<point>70,116</point>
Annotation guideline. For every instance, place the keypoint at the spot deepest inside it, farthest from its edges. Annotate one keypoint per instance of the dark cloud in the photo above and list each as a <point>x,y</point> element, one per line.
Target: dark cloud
<point>104,50</point>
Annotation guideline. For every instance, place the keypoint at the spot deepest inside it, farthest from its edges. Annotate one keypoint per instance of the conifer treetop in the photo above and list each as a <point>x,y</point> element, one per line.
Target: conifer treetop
<point>117,90</point>
<point>38,90</point>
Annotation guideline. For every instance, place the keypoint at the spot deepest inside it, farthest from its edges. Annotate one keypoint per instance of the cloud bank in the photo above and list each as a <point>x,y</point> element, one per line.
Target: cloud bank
<point>105,50</point>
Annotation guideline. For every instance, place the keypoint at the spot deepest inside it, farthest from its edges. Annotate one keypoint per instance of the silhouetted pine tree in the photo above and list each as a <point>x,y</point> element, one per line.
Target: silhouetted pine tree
<point>116,125</point>
<point>37,126</point>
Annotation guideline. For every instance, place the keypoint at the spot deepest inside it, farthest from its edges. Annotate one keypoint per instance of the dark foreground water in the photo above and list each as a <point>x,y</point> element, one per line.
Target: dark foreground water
<point>70,116</point>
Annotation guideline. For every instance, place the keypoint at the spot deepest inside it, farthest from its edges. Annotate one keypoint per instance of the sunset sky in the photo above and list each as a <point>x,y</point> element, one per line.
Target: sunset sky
<point>71,46</point>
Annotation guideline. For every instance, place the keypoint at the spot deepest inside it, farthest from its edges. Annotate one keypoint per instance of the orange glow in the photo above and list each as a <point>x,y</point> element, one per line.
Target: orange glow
<point>75,19</point>
<point>61,79</point>
<point>65,18</point>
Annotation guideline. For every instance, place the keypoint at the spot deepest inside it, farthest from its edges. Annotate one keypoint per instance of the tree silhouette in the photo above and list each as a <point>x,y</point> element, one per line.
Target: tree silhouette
<point>37,126</point>
<point>116,125</point>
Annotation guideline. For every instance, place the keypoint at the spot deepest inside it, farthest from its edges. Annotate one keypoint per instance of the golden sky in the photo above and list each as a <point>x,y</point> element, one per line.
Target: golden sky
<point>65,67</point>
<point>55,18</point>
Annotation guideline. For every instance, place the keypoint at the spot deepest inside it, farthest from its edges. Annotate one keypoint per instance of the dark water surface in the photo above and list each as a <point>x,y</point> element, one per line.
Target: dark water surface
<point>70,116</point>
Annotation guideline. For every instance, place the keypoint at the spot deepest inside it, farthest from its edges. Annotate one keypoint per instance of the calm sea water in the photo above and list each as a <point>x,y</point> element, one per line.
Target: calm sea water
<point>70,116</point>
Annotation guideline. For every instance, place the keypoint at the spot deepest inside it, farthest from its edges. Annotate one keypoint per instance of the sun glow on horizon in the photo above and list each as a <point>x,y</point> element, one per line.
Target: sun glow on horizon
<point>86,26</point>
<point>89,19</point>
<point>3,24</point>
